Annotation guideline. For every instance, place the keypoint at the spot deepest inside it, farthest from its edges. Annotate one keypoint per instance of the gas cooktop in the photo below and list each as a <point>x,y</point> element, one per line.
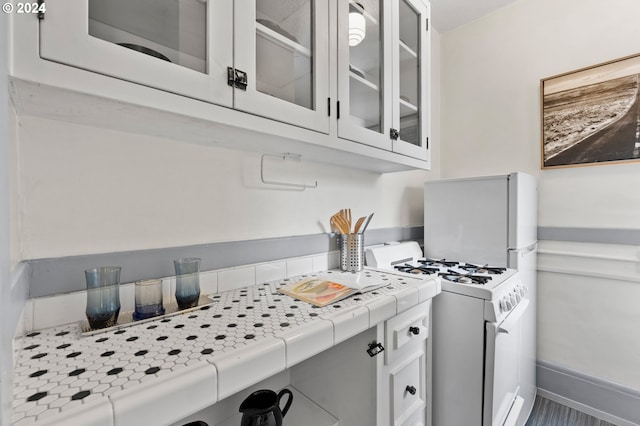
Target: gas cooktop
<point>457,276</point>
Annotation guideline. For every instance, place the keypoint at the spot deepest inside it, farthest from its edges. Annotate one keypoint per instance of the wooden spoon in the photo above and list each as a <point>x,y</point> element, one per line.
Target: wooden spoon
<point>359,224</point>
<point>349,218</point>
<point>339,222</point>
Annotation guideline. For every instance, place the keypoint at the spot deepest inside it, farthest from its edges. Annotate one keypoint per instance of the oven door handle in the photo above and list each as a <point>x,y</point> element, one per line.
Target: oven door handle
<point>508,324</point>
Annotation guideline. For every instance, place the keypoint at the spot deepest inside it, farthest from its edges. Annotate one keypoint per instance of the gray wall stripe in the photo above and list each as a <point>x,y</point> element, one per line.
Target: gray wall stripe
<point>591,235</point>
<point>607,397</point>
<point>63,275</point>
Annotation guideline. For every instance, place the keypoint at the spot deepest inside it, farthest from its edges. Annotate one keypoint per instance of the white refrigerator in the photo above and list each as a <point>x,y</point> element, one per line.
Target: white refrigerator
<point>490,220</point>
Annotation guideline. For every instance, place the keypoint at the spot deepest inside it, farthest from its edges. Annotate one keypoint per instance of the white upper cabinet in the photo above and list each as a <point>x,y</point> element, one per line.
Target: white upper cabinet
<point>364,72</point>
<point>331,77</point>
<point>283,49</point>
<point>411,90</point>
<point>180,46</point>
<point>383,85</point>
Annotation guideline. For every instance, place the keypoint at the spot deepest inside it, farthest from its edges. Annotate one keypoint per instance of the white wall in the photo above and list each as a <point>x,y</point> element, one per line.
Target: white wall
<point>491,101</point>
<point>491,72</point>
<point>88,190</point>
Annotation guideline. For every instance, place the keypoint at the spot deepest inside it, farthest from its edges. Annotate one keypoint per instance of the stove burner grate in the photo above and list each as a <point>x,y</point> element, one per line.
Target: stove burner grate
<point>416,269</point>
<point>482,269</point>
<point>437,262</point>
<point>460,278</point>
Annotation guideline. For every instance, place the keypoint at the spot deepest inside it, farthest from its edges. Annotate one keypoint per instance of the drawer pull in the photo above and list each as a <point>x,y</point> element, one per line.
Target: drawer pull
<point>411,390</point>
<point>414,330</point>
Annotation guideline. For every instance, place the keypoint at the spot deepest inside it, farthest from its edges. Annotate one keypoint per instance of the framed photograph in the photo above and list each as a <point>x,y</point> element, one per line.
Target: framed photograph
<point>592,115</point>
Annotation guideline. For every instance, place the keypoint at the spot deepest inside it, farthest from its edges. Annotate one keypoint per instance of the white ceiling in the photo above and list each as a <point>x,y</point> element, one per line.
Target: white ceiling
<point>449,14</point>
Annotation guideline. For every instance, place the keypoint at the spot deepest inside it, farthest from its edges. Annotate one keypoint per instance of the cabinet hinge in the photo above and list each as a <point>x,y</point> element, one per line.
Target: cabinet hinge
<point>236,78</point>
<point>394,134</point>
<point>41,9</point>
<point>375,348</point>
<point>338,110</point>
<point>329,107</point>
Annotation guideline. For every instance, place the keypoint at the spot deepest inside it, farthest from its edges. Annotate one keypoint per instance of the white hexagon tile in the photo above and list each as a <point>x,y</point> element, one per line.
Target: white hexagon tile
<point>59,368</point>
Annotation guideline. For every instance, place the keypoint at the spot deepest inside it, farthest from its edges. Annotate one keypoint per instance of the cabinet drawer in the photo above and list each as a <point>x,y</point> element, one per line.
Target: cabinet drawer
<point>408,389</point>
<point>417,419</point>
<point>406,328</point>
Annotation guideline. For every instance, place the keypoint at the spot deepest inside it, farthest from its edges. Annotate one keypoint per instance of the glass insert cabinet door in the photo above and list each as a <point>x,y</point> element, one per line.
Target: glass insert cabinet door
<point>411,88</point>
<point>281,48</point>
<point>181,46</point>
<point>364,71</point>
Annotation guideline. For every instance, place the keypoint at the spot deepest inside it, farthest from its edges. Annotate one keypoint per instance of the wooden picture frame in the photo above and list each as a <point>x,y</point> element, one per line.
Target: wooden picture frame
<point>591,115</point>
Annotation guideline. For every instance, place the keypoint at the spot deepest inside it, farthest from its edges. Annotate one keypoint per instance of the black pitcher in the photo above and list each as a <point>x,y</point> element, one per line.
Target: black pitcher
<point>262,408</point>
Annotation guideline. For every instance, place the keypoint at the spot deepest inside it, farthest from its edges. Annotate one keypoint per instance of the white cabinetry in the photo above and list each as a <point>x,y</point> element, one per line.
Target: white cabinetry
<point>403,377</point>
<point>241,69</point>
<point>192,46</point>
<point>187,42</point>
<point>383,81</point>
<point>346,385</point>
<point>283,46</point>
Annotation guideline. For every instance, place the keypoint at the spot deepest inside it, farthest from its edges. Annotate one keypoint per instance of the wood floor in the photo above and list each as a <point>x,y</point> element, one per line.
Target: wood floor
<point>550,413</point>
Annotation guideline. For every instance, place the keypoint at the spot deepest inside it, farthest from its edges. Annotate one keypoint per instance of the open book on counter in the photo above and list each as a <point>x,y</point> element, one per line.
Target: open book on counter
<point>322,291</point>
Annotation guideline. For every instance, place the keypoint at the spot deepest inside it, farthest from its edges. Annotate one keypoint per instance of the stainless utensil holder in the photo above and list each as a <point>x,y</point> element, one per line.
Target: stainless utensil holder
<point>352,252</point>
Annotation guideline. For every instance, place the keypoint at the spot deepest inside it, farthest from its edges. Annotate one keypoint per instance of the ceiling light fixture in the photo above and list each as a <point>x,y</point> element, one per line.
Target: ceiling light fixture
<point>357,25</point>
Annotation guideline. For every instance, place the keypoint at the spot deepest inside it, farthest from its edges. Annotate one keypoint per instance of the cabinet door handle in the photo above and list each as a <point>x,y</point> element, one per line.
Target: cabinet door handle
<point>411,389</point>
<point>236,78</point>
<point>414,330</point>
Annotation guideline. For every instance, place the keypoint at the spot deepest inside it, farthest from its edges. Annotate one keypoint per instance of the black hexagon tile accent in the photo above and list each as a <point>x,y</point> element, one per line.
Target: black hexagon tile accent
<point>114,371</point>
<point>80,395</point>
<point>36,396</point>
<point>38,373</point>
<point>77,372</point>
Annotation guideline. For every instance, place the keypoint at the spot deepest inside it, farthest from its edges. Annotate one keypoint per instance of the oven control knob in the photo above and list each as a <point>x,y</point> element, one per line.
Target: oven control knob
<point>517,296</point>
<point>507,304</point>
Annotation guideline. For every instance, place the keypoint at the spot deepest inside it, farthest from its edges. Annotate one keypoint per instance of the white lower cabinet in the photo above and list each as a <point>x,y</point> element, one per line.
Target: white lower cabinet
<point>404,375</point>
<point>407,385</point>
<point>346,386</point>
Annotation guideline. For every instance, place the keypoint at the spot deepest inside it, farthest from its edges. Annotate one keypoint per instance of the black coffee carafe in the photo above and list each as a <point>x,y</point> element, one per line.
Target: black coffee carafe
<point>262,408</point>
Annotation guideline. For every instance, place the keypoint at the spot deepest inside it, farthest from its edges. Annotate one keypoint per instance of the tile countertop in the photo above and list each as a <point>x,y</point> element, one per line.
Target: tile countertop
<point>167,369</point>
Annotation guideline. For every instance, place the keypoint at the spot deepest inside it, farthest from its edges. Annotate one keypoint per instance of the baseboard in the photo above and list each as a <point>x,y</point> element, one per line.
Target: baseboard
<point>597,397</point>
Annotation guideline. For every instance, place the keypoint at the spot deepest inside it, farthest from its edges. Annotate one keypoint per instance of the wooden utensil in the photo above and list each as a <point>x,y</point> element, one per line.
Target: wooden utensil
<point>359,224</point>
<point>340,223</point>
<point>346,215</point>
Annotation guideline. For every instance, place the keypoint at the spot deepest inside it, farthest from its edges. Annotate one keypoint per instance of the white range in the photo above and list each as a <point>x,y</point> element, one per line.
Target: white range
<point>476,380</point>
